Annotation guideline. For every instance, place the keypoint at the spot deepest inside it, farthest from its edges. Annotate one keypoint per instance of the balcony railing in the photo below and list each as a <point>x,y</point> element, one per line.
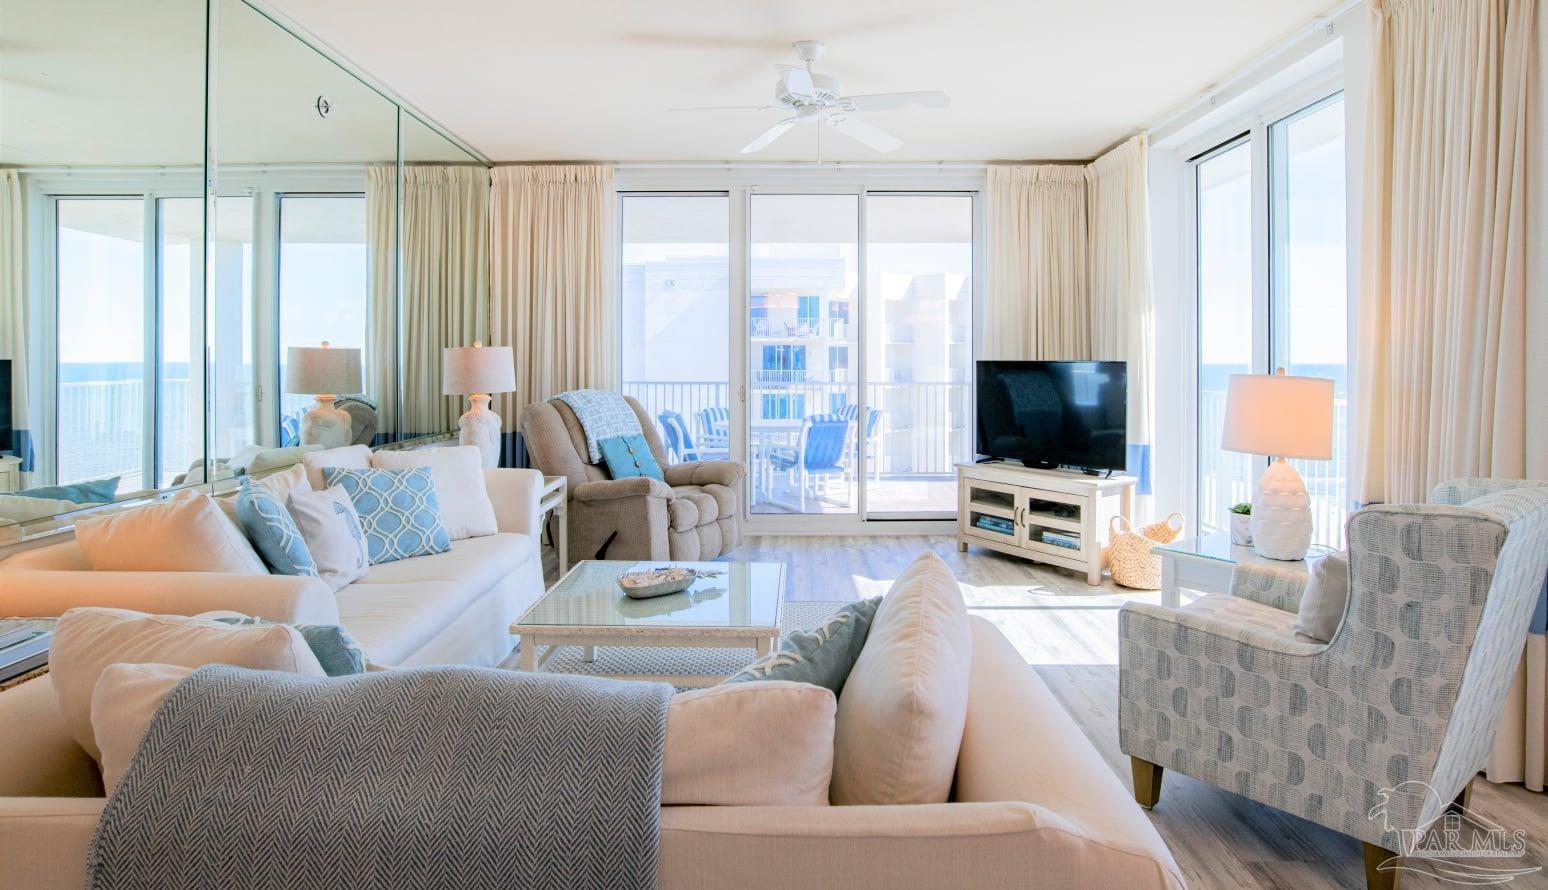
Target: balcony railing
<point>101,430</point>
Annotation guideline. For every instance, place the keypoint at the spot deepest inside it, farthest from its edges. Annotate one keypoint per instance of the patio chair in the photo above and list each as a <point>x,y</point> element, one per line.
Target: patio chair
<point>715,427</point>
<point>817,458</point>
<point>851,413</point>
<point>679,441</point>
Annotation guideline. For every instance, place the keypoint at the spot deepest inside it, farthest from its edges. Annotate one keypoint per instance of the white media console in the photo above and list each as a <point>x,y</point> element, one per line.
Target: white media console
<point>1008,507</point>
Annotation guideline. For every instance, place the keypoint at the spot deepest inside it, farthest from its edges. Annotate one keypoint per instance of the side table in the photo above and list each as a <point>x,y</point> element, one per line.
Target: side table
<point>553,504</point>
<point>1205,562</point>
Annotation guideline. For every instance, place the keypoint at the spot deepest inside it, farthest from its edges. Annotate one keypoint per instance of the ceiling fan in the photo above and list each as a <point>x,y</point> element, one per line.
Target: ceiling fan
<point>812,98</point>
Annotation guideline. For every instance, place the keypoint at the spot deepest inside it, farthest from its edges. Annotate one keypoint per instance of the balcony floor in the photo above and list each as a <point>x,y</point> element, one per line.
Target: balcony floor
<point>892,494</point>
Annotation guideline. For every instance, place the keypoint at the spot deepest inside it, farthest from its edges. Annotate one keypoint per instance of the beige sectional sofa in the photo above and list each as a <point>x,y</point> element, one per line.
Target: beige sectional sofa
<point>451,608</point>
<point>1033,805</point>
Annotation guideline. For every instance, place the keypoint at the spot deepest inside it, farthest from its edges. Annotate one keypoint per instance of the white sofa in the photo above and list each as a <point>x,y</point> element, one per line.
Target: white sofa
<point>451,608</point>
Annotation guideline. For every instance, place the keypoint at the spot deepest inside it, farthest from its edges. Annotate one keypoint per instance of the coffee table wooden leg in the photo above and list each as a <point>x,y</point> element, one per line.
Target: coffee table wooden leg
<point>588,654</point>
<point>763,646</point>
<point>529,655</point>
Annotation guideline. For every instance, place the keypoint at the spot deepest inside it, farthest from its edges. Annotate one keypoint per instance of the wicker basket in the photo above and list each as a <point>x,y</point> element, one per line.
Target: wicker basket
<point>1130,554</point>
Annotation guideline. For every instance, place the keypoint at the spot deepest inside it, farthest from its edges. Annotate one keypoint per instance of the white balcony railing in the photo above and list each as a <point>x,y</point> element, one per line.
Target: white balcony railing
<point>101,430</point>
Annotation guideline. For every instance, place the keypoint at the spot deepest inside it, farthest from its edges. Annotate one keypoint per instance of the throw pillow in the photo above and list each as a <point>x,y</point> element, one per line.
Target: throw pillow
<point>339,653</point>
<point>458,473</point>
<point>823,657</point>
<point>398,511</point>
<point>183,534</point>
<point>1325,599</point>
<point>86,641</point>
<point>749,744</point>
<point>334,535</point>
<point>628,456</point>
<point>97,491</point>
<point>902,710</point>
<point>272,531</point>
<point>123,703</point>
<point>351,457</point>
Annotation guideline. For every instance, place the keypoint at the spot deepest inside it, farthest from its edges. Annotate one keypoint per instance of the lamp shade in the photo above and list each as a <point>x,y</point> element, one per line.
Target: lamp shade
<point>466,370</point>
<point>1279,415</point>
<point>322,370</point>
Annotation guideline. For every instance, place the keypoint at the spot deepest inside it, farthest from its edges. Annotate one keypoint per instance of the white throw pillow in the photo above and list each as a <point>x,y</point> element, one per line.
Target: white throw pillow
<point>187,533</point>
<point>458,474</point>
<point>1325,598</point>
<point>331,528</point>
<point>902,710</point>
<point>768,743</point>
<point>122,705</point>
<point>350,457</point>
<point>86,641</point>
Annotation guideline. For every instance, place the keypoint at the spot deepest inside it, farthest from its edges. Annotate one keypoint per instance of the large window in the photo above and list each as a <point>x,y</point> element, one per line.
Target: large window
<point>323,283</point>
<point>1291,238</point>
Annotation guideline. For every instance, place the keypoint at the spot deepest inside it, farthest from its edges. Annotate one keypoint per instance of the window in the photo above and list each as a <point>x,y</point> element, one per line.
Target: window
<point>838,320</point>
<point>323,280</point>
<point>1298,321</point>
<point>807,315</point>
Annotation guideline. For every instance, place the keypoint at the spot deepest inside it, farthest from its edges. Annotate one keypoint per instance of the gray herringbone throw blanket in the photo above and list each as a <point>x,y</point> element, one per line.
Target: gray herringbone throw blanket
<point>437,777</point>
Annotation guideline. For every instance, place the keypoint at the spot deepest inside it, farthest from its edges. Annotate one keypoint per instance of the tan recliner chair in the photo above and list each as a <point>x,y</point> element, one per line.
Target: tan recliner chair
<point>696,514</point>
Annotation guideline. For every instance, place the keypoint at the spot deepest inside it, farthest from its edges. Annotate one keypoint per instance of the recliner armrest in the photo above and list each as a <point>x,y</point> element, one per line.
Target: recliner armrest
<point>617,489</point>
<point>706,472</point>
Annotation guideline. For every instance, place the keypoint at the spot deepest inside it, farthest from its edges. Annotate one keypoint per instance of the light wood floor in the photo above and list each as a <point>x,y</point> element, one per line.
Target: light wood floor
<point>1068,632</point>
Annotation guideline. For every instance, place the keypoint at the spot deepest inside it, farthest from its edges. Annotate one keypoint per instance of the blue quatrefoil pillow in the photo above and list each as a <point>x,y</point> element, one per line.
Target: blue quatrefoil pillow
<point>398,511</point>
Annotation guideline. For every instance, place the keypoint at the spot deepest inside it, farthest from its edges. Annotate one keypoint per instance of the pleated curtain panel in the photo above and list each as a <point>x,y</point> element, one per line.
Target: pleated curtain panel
<point>550,280</point>
<point>13,312</point>
<point>1069,276</point>
<point>380,357</point>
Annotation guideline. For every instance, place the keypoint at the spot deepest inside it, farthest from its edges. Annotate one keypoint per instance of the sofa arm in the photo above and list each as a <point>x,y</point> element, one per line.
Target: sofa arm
<point>1157,626</point>
<point>515,495</point>
<point>1270,585</point>
<point>43,840</point>
<point>38,755</point>
<point>706,472</point>
<point>287,598</point>
<point>618,489</point>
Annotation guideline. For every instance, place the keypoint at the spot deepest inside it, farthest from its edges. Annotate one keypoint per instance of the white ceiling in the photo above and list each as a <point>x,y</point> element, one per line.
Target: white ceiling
<point>591,79</point>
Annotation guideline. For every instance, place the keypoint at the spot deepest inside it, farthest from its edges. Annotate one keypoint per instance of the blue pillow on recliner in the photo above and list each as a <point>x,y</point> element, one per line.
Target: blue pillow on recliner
<point>629,456</point>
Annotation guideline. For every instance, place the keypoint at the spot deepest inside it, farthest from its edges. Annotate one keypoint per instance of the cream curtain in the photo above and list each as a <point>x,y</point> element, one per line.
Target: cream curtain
<point>1122,317</point>
<point>1441,388</point>
<point>13,310</point>
<point>1038,302</point>
<point>381,352</point>
<point>445,284</point>
<point>551,287</point>
<point>1442,383</point>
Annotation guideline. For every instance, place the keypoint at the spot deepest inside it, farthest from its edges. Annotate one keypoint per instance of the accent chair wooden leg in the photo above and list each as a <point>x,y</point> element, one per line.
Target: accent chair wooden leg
<point>1464,800</point>
<point>1376,879</point>
<point>1147,782</point>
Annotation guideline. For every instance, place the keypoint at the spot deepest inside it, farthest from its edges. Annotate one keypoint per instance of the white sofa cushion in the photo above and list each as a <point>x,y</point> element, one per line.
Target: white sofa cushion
<point>350,457</point>
<point>901,713</point>
<point>458,474</point>
<point>188,533</point>
<point>122,705</point>
<point>333,535</point>
<point>768,743</point>
<point>86,641</point>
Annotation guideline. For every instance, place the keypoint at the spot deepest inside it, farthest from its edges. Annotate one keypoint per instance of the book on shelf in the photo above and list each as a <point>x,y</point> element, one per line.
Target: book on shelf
<point>997,525</point>
<point>1060,539</point>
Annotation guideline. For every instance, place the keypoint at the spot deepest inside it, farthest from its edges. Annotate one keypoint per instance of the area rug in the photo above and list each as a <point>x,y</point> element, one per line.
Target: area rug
<point>794,615</point>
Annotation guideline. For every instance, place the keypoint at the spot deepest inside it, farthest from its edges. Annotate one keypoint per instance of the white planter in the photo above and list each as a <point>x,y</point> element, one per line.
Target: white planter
<point>1241,529</point>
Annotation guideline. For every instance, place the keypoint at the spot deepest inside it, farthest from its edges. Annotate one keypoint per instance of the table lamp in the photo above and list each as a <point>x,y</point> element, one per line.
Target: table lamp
<point>323,372</point>
<point>476,371</point>
<point>1280,416</point>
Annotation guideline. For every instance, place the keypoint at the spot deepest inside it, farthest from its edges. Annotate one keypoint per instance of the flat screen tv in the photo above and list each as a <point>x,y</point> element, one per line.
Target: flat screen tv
<point>1052,414</point>
<point>5,405</point>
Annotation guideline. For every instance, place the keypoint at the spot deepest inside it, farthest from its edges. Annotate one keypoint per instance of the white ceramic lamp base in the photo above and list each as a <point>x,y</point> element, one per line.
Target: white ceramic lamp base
<point>1281,514</point>
<point>326,425</point>
<point>481,427</point>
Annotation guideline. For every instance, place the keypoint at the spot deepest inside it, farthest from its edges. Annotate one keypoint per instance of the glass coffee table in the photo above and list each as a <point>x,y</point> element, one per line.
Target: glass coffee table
<point>737,609</point>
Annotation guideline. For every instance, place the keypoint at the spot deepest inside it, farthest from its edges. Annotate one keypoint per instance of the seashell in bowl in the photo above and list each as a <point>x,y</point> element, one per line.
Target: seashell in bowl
<point>656,582</point>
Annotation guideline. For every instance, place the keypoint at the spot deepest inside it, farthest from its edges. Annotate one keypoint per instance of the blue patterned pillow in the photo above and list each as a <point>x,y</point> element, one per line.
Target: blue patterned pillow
<point>823,657</point>
<point>338,652</point>
<point>272,530</point>
<point>398,511</point>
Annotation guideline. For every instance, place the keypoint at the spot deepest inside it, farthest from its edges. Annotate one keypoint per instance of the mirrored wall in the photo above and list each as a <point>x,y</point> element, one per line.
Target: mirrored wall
<point>192,200</point>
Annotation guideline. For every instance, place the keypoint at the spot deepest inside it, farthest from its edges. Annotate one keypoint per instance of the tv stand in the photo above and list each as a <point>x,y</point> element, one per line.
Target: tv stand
<point>1021,511</point>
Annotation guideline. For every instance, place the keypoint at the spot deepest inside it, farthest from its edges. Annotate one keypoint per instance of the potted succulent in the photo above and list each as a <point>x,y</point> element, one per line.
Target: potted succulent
<point>1241,524</point>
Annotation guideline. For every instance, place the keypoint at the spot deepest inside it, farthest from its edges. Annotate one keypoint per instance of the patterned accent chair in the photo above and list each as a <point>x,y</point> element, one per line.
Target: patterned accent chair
<point>1377,732</point>
<point>695,514</point>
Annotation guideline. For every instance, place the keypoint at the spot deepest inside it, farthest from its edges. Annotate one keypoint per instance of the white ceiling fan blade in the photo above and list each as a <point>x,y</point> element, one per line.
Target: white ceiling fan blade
<point>797,81</point>
<point>891,101</point>
<point>769,135</point>
<point>865,134</point>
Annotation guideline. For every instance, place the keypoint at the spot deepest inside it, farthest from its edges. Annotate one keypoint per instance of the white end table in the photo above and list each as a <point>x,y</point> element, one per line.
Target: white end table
<point>553,501</point>
<point>1205,562</point>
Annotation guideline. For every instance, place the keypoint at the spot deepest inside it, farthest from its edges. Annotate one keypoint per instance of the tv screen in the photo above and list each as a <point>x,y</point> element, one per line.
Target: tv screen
<point>5,405</point>
<point>1051,414</point>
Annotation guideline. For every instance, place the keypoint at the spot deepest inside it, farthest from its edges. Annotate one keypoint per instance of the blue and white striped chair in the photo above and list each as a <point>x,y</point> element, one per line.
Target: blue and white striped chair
<point>819,457</point>
<point>679,441</point>
<point>715,427</point>
<point>851,413</point>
